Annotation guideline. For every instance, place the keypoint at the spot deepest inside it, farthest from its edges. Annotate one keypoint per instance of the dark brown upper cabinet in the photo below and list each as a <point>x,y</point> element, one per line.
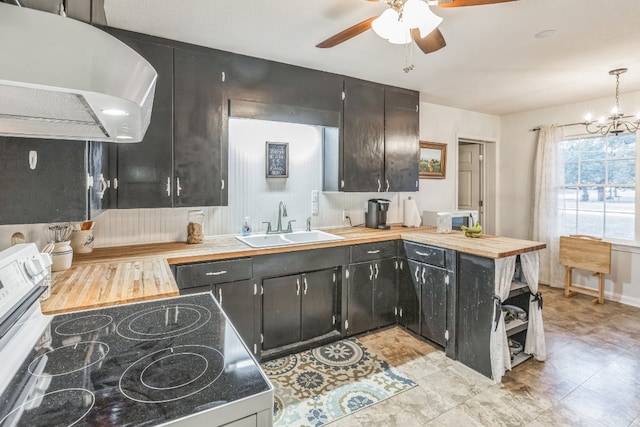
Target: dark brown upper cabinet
<point>377,147</point>
<point>179,163</point>
<point>401,139</point>
<point>42,180</point>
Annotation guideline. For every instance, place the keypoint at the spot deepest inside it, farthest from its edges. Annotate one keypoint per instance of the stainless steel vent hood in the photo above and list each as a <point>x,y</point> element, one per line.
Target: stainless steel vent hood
<point>64,79</point>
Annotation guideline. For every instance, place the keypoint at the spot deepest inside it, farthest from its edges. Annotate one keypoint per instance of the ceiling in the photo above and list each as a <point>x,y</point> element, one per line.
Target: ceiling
<point>493,63</point>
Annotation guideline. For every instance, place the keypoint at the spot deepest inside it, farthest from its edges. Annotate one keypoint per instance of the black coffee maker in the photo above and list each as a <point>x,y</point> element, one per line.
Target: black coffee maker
<point>377,213</point>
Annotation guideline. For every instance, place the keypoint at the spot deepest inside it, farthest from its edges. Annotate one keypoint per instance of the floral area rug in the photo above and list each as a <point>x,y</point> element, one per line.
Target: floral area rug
<point>318,386</point>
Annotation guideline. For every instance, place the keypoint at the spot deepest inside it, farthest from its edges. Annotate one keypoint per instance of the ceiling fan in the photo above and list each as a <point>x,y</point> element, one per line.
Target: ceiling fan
<point>428,43</point>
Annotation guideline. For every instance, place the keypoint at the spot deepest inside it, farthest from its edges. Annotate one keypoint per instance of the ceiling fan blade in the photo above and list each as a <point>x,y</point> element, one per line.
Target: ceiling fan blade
<point>345,35</point>
<point>461,3</point>
<point>432,42</point>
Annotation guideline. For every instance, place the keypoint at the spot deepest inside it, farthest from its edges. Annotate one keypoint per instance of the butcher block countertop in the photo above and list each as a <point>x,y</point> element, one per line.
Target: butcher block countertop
<point>123,274</point>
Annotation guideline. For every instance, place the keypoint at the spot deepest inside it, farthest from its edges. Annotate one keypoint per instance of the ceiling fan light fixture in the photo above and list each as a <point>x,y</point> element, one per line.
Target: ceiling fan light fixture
<point>417,14</point>
<point>384,24</point>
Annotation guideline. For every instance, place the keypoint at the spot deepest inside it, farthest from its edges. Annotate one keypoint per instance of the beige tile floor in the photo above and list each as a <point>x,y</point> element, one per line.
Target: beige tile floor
<point>591,376</point>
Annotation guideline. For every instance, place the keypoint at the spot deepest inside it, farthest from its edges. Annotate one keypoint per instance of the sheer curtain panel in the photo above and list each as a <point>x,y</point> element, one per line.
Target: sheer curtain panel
<point>548,180</point>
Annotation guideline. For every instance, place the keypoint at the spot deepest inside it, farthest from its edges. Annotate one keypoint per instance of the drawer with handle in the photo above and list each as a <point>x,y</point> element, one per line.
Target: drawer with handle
<point>210,273</point>
<point>373,251</point>
<point>427,254</point>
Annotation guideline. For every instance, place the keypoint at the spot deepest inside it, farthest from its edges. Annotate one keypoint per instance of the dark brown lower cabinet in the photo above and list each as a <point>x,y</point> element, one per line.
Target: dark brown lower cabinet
<point>409,289</point>
<point>298,307</point>
<point>372,295</point>
<point>238,301</point>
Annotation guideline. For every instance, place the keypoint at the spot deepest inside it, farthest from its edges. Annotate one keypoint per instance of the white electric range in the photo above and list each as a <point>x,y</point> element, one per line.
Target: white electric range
<point>174,361</point>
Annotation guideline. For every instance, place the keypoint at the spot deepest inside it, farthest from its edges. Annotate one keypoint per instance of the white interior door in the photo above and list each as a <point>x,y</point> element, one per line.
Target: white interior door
<point>470,177</point>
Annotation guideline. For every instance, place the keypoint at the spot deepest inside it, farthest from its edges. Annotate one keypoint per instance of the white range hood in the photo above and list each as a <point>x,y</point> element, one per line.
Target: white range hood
<point>64,79</point>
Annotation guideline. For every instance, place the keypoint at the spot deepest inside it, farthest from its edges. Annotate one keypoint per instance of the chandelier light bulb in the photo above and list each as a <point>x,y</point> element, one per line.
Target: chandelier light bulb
<point>614,110</point>
<point>588,117</point>
<point>601,120</point>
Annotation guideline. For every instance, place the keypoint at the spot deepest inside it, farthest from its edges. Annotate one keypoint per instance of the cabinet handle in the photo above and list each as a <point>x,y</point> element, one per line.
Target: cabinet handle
<point>115,183</point>
<point>297,286</point>
<point>370,272</point>
<point>222,186</point>
<point>377,271</point>
<point>400,311</point>
<point>178,188</point>
<point>387,189</point>
<point>379,185</point>
<point>216,273</point>
<point>103,186</point>
<point>305,285</point>
<point>168,187</point>
<point>417,273</point>
<point>422,253</point>
<point>220,296</point>
<point>377,251</point>
<point>424,271</point>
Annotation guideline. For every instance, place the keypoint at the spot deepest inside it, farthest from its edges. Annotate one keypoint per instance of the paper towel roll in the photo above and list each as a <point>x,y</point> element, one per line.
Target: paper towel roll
<point>411,213</point>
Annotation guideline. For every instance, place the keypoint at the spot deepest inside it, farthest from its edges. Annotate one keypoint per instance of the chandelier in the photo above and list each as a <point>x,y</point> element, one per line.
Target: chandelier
<point>616,122</point>
<point>395,23</point>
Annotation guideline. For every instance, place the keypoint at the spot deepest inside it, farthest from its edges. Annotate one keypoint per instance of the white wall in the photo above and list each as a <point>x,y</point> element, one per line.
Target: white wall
<point>515,190</point>
<point>447,125</point>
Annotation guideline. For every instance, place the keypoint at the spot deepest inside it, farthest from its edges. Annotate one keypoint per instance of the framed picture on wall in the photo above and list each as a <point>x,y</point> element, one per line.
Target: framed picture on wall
<point>433,160</point>
<point>277,159</point>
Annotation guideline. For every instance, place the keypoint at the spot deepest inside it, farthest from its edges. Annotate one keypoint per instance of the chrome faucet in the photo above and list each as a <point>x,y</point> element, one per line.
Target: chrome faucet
<point>282,212</point>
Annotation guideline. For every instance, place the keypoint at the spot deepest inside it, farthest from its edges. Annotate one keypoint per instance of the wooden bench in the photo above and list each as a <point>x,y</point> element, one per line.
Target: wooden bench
<point>585,253</point>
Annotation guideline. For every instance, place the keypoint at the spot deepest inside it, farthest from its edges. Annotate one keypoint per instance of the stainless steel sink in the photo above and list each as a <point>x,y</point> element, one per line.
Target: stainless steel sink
<point>285,239</point>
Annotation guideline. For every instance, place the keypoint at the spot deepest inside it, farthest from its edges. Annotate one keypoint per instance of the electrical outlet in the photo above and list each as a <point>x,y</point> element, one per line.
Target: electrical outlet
<point>314,208</point>
<point>345,214</point>
<point>314,195</point>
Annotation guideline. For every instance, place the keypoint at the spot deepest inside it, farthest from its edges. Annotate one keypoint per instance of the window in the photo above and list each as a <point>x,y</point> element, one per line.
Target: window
<point>598,196</point>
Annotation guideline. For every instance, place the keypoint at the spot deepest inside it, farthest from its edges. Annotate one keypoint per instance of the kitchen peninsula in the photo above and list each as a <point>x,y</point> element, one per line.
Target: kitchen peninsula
<point>412,280</point>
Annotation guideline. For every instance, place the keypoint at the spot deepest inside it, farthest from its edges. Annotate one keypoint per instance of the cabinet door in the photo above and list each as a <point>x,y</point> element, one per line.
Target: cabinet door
<point>198,124</point>
<point>409,290</point>
<point>360,298</point>
<point>434,304</point>
<point>362,136</point>
<point>145,169</point>
<point>318,303</point>
<point>42,180</point>
<point>238,302</point>
<point>385,293</point>
<point>401,143</point>
<point>281,311</point>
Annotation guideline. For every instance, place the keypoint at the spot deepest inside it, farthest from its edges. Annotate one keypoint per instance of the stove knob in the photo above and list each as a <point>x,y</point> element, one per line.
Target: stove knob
<point>33,266</point>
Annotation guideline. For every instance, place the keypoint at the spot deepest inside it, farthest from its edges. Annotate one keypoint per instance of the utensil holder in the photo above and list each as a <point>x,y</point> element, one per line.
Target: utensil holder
<point>82,241</point>
<point>61,256</point>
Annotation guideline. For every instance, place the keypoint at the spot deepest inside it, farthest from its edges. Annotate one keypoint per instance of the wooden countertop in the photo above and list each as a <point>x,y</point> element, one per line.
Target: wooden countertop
<point>122,274</point>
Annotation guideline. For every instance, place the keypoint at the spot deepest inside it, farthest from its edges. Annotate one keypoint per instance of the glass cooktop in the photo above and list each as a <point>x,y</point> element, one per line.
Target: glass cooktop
<point>136,364</point>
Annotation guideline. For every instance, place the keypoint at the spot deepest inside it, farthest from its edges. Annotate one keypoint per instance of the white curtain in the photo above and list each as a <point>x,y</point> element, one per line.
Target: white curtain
<point>498,343</point>
<point>535,344</point>
<point>548,181</point>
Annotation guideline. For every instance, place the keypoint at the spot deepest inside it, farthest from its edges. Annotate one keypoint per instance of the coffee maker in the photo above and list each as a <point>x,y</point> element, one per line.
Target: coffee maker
<point>377,213</point>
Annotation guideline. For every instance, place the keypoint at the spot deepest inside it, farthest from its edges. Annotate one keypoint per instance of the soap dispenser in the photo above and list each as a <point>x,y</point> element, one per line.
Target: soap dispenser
<point>246,227</point>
